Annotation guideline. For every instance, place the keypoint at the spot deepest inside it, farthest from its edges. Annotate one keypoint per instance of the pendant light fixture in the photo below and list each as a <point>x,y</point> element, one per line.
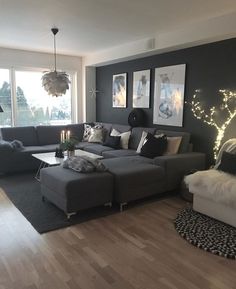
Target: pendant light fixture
<point>54,82</point>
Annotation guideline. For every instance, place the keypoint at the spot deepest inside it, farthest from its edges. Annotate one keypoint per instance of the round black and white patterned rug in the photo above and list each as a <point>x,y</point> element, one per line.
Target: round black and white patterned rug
<point>206,233</point>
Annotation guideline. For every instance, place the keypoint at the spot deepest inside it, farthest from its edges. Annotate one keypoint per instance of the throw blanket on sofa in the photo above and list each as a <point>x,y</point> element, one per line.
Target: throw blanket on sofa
<point>14,145</point>
<point>83,164</point>
<point>214,185</point>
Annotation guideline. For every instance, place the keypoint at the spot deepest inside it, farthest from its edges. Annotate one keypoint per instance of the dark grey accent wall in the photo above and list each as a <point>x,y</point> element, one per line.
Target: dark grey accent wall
<point>208,67</point>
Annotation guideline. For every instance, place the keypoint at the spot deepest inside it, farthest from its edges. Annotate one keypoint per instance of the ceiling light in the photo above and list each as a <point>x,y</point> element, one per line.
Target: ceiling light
<point>54,82</point>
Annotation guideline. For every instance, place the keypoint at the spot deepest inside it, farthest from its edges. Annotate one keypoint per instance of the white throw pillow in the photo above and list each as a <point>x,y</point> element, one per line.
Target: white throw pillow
<point>173,144</point>
<point>124,138</point>
<point>142,141</point>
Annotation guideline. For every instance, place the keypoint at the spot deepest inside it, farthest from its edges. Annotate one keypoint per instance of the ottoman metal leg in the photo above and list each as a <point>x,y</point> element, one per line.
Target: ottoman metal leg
<point>68,215</point>
<point>121,206</point>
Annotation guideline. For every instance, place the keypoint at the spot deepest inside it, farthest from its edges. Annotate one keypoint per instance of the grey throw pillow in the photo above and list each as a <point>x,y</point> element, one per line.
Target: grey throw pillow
<point>15,145</point>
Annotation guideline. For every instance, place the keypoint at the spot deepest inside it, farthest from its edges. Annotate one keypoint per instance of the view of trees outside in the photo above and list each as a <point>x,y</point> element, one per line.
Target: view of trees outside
<point>33,105</point>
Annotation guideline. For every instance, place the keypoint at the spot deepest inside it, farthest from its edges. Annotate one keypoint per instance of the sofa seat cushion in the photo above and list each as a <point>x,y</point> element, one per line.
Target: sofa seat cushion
<point>72,191</point>
<point>40,149</point>
<point>83,144</point>
<point>27,135</point>
<point>118,153</point>
<point>97,149</point>
<point>49,134</point>
<point>134,179</point>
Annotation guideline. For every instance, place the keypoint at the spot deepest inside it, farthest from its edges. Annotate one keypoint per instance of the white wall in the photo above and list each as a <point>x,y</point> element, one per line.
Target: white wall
<point>27,59</point>
<point>211,30</point>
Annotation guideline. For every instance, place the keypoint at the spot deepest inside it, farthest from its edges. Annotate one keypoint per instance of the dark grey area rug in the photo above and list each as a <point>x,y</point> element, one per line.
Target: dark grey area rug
<point>207,233</point>
<point>24,192</point>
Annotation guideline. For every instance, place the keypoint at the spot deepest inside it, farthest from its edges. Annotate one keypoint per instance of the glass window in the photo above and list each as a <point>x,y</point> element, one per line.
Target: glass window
<point>5,98</point>
<point>34,106</point>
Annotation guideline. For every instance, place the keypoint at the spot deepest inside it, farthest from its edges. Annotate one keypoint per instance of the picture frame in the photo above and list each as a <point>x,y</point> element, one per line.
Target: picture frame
<point>119,90</point>
<point>169,95</point>
<point>141,88</point>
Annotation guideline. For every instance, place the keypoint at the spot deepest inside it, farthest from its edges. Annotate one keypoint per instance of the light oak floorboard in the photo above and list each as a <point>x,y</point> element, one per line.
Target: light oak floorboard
<point>136,249</point>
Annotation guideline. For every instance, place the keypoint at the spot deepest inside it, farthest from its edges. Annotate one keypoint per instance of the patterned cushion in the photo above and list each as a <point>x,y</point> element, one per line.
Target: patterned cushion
<point>87,130</point>
<point>96,135</point>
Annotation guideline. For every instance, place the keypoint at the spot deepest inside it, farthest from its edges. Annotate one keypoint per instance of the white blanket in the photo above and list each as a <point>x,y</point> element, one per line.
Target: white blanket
<point>214,185</point>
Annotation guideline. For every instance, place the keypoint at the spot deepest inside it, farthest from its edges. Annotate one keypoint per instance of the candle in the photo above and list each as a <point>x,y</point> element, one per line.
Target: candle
<point>62,136</point>
<point>68,135</point>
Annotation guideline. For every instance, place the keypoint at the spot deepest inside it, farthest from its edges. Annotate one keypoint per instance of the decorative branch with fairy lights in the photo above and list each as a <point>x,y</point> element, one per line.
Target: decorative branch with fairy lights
<point>229,98</point>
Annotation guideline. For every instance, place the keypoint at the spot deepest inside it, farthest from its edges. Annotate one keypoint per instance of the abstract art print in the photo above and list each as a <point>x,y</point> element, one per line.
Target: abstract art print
<point>169,95</point>
<point>119,90</point>
<point>141,88</point>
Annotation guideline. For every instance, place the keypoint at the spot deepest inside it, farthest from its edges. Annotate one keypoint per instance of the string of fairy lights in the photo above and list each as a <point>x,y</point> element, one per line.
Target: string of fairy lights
<point>210,116</point>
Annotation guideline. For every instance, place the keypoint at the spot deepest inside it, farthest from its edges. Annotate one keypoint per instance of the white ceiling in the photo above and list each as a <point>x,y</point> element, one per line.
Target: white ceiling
<point>88,26</point>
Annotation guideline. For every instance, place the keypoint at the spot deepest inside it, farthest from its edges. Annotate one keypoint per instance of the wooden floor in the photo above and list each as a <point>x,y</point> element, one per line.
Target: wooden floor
<point>138,248</point>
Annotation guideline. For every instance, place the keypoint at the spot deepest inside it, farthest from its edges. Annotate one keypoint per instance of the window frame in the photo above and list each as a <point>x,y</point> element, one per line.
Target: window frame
<point>12,79</point>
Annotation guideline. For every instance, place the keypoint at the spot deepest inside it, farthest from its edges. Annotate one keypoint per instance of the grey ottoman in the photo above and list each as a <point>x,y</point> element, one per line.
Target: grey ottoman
<point>135,179</point>
<point>71,191</point>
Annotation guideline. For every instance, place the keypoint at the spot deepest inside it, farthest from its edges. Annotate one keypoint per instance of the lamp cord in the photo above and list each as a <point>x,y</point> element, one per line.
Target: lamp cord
<point>55,55</point>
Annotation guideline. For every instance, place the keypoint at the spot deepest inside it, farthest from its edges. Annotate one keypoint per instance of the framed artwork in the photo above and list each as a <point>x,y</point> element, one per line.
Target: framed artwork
<point>169,95</point>
<point>119,90</point>
<point>141,88</point>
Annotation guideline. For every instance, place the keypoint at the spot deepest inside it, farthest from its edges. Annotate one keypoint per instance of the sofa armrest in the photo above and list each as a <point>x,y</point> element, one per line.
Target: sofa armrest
<point>176,166</point>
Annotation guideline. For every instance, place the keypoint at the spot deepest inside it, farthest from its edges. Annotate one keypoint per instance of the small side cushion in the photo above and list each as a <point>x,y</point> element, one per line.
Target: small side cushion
<point>228,163</point>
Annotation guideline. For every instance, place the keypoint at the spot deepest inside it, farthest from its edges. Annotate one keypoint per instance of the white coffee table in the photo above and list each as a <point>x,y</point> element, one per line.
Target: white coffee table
<point>49,159</point>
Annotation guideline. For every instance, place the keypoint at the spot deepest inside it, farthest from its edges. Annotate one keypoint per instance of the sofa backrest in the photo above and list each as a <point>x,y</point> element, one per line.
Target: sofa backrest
<point>49,134</point>
<point>26,134</point>
<point>184,145</point>
<point>121,127</point>
<point>136,135</point>
<point>77,130</point>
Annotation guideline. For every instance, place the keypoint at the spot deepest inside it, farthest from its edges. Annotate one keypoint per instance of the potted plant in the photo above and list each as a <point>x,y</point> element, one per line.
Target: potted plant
<point>69,146</point>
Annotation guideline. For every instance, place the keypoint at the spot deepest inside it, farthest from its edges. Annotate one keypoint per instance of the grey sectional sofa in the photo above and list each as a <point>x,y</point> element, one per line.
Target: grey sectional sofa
<point>129,177</point>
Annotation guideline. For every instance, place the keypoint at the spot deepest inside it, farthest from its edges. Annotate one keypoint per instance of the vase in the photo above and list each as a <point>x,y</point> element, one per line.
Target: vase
<point>70,154</point>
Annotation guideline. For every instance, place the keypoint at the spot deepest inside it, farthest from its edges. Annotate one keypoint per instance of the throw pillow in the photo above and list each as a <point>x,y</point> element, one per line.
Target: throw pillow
<point>124,138</point>
<point>228,163</point>
<point>17,145</point>
<point>112,142</point>
<point>173,144</point>
<point>154,146</point>
<point>96,135</point>
<point>142,141</point>
<point>87,130</point>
